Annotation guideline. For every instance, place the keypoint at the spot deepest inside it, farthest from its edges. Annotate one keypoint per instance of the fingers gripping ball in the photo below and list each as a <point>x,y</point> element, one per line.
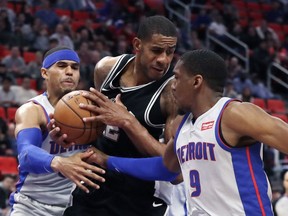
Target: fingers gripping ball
<point>69,117</point>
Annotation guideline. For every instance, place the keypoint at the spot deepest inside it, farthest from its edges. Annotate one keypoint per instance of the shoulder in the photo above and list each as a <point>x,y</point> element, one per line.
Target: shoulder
<point>30,115</point>
<point>102,68</point>
<point>106,64</point>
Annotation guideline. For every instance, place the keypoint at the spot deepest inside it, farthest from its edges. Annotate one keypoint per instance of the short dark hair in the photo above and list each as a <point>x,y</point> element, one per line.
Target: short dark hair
<point>156,25</point>
<point>55,49</point>
<point>207,63</point>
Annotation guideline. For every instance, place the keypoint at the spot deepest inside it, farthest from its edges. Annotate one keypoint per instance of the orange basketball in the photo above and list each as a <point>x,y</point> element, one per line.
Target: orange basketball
<point>69,117</point>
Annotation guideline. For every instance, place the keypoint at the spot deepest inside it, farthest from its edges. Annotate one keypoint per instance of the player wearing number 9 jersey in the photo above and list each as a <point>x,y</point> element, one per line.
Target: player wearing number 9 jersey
<point>217,144</point>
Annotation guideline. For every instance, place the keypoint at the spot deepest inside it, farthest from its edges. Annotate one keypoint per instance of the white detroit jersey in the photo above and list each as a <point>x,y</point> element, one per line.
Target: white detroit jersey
<point>220,180</point>
<point>48,188</point>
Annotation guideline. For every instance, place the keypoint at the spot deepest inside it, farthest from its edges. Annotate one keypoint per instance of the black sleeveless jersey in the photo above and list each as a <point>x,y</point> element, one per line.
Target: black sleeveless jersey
<point>121,194</point>
<point>143,101</point>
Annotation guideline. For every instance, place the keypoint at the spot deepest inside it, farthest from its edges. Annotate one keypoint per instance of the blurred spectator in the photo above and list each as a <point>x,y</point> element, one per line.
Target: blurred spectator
<point>201,23</point>
<point>82,37</point>
<point>105,33</point>
<point>53,42</point>
<point>25,92</point>
<point>229,90</point>
<point>25,28</point>
<point>261,59</point>
<point>62,37</point>
<point>11,138</point>
<point>5,27</point>
<point>10,13</point>
<point>102,48</point>
<point>234,68</point>
<point>217,26</point>
<point>276,14</point>
<point>86,5</point>
<point>5,145</point>
<point>7,186</point>
<point>85,57</point>
<point>3,71</point>
<point>33,69</point>
<point>242,81</point>
<point>7,95</point>
<point>122,46</point>
<point>281,206</point>
<point>246,95</point>
<point>263,30</point>
<point>47,15</point>
<point>41,41</point>
<point>259,90</point>
<point>14,63</point>
<point>251,38</point>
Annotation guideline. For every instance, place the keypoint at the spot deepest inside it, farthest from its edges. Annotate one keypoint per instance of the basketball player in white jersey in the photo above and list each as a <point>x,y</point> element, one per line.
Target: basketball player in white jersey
<point>217,145</point>
<point>47,170</point>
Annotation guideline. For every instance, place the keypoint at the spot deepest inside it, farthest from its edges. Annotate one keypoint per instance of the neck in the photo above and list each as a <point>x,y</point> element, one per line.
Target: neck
<point>133,76</point>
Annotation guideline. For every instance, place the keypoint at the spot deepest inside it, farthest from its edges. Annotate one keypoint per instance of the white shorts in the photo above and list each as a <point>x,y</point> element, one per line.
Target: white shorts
<point>24,206</point>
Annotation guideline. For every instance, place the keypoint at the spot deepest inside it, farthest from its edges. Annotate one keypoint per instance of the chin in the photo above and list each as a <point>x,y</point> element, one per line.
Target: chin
<point>66,91</point>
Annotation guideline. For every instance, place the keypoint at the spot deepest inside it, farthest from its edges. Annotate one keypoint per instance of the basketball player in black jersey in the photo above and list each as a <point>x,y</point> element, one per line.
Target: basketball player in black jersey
<point>133,129</point>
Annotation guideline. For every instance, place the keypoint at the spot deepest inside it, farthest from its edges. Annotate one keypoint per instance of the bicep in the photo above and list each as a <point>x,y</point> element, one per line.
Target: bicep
<point>251,121</point>
<point>102,69</point>
<point>28,116</point>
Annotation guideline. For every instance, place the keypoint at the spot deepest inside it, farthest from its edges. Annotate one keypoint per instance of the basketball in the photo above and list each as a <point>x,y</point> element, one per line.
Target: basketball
<point>69,118</point>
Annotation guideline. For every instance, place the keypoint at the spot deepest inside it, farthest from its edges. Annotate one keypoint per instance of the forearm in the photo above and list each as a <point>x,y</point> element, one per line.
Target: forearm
<point>150,169</point>
<point>143,141</point>
<point>31,157</point>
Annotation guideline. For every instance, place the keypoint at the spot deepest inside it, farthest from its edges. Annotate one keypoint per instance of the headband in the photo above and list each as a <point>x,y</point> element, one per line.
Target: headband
<point>64,54</point>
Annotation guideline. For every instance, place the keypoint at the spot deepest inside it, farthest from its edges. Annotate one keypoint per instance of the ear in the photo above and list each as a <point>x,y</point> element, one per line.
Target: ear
<point>198,79</point>
<point>44,73</point>
<point>137,44</point>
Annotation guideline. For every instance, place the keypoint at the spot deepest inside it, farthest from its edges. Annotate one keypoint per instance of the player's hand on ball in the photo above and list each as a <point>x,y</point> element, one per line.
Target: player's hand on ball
<point>77,170</point>
<point>108,112</point>
<point>56,135</point>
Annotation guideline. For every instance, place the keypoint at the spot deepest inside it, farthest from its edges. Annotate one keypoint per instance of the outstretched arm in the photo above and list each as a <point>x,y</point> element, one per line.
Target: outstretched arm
<point>154,168</point>
<point>149,169</point>
<point>252,123</point>
<point>116,114</point>
<point>34,159</point>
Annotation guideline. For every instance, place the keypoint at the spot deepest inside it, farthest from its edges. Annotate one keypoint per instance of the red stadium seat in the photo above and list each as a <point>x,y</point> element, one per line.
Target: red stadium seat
<point>29,56</point>
<point>75,25</point>
<point>8,165</point>
<point>62,12</point>
<point>260,102</point>
<point>266,7</point>
<point>81,15</point>
<point>256,15</point>
<point>11,111</point>
<point>253,6</point>
<point>240,4</point>
<point>281,116</point>
<point>276,106</point>
<point>275,26</point>
<point>3,113</point>
<point>285,29</point>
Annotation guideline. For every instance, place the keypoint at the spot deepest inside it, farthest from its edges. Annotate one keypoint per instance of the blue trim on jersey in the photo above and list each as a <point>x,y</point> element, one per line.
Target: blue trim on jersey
<point>249,174</point>
<point>178,130</point>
